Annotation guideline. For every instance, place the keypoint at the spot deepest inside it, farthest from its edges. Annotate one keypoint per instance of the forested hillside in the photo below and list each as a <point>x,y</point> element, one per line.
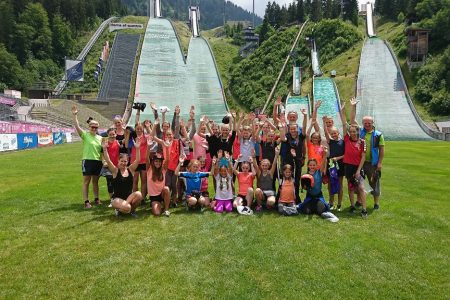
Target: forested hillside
<point>211,11</point>
<point>35,36</point>
<point>430,83</point>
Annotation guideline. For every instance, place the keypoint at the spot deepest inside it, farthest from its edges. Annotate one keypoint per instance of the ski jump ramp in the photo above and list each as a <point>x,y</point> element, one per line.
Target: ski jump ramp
<point>381,92</point>
<point>166,78</point>
<point>369,20</point>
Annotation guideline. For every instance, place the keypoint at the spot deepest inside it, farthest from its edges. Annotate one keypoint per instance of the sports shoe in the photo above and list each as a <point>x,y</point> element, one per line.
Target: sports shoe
<point>376,206</point>
<point>98,202</point>
<point>244,210</point>
<point>364,214</point>
<point>133,214</point>
<point>87,204</point>
<point>357,204</point>
<point>331,205</point>
<point>339,207</point>
<point>352,209</point>
<point>330,217</point>
<point>166,213</point>
<point>117,212</point>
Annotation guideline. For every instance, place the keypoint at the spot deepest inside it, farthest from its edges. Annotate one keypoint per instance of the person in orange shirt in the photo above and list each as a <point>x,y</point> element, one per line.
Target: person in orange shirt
<point>245,180</point>
<point>287,193</point>
<point>314,143</point>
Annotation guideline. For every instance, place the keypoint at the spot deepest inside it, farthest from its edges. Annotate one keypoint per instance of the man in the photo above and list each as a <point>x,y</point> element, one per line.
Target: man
<point>374,140</point>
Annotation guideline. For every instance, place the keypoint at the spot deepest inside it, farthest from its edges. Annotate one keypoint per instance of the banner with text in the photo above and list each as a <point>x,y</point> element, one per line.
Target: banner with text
<point>118,26</point>
<point>8,142</point>
<point>27,140</point>
<point>45,139</point>
<point>59,138</point>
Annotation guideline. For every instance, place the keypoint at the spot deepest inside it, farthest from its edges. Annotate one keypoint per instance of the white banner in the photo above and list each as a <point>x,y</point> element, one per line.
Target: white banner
<point>8,142</point>
<point>296,79</point>
<point>118,26</point>
<point>69,137</point>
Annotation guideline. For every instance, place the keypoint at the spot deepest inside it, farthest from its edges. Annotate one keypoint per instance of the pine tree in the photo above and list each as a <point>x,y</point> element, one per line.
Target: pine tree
<point>316,14</point>
<point>264,32</point>
<point>328,9</point>
<point>300,11</point>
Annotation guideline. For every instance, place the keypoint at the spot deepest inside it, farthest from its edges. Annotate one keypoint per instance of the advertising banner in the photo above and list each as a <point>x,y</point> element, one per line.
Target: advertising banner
<point>68,137</point>
<point>118,26</point>
<point>74,70</point>
<point>27,140</point>
<point>45,139</point>
<point>7,101</point>
<point>8,142</point>
<point>59,138</point>
<point>296,87</point>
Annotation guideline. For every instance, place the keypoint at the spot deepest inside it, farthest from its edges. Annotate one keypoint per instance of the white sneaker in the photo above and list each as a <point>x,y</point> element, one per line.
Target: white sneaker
<point>166,213</point>
<point>244,210</point>
<point>330,217</point>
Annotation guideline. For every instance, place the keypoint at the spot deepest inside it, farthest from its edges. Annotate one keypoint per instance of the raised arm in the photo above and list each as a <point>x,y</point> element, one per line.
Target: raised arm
<point>343,120</point>
<point>176,123</point>
<point>305,121</point>
<point>75,120</point>
<point>314,116</point>
<point>353,102</point>
<point>235,167</point>
<point>254,165</point>
<point>111,166</point>
<point>276,105</point>
<point>180,163</point>
<point>325,129</point>
<point>275,160</point>
<point>138,116</point>
<point>137,145</point>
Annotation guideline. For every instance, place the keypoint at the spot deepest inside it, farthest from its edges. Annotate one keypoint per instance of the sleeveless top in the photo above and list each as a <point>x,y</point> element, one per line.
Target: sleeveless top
<point>123,186</point>
<point>265,183</point>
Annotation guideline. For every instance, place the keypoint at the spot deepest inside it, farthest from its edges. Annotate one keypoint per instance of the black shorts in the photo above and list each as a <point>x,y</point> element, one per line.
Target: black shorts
<point>91,167</point>
<point>141,167</point>
<point>158,198</point>
<point>205,194</point>
<point>350,171</point>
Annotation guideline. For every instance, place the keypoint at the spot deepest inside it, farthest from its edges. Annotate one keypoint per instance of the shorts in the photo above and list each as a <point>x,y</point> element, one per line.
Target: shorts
<point>205,194</point>
<point>91,167</point>
<point>196,194</point>
<point>350,171</point>
<point>314,205</point>
<point>267,194</point>
<point>158,198</point>
<point>373,177</point>
<point>141,167</point>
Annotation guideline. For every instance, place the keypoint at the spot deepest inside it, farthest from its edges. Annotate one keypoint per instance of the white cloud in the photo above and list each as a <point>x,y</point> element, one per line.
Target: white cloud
<point>260,5</point>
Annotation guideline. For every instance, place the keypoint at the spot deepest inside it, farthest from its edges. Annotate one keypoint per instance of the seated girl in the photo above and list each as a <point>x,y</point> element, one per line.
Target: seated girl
<point>265,190</point>
<point>223,175</point>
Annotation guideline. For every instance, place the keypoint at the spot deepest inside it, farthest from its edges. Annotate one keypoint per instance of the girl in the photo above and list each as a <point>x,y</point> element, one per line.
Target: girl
<point>113,148</point>
<point>265,188</point>
<point>354,157</point>
<point>205,181</point>
<point>245,180</point>
<point>201,144</point>
<point>193,183</point>
<point>120,133</point>
<point>337,149</point>
<point>314,203</point>
<point>91,160</point>
<point>158,193</point>
<point>141,170</point>
<point>223,175</point>
<point>313,143</point>
<point>287,193</point>
<point>124,199</point>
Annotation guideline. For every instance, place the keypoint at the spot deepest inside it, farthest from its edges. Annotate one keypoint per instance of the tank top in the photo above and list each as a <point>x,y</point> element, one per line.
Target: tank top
<point>265,183</point>
<point>123,186</point>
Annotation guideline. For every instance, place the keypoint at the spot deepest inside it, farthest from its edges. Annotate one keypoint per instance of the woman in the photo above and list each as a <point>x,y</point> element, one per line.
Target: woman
<point>158,193</point>
<point>124,199</point>
<point>120,133</point>
<point>91,159</point>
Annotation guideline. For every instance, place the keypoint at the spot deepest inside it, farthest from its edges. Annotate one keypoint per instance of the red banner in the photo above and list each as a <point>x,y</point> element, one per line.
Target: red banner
<point>45,139</point>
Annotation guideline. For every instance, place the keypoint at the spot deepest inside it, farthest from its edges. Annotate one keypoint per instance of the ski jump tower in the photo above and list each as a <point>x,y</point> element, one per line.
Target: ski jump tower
<point>154,9</point>
<point>194,18</point>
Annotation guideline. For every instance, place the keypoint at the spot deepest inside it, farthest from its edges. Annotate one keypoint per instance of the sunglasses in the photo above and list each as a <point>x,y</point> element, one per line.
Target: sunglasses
<point>94,127</point>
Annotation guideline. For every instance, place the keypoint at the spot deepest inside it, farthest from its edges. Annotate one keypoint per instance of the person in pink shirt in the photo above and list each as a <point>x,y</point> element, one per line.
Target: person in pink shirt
<point>201,147</point>
<point>158,192</point>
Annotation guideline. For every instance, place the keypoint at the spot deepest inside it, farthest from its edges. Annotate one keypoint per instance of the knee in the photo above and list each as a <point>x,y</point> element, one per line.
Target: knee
<point>165,191</point>
<point>138,194</point>
<point>271,201</point>
<point>192,201</point>
<point>250,190</point>
<point>258,193</point>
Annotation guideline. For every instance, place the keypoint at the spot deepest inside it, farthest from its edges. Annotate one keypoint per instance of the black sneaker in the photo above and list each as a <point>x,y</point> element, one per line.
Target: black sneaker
<point>357,204</point>
<point>352,209</point>
<point>364,214</point>
<point>376,206</point>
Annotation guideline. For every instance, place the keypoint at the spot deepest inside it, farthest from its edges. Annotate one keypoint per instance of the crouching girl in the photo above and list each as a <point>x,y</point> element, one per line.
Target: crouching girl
<point>265,190</point>
<point>193,183</point>
<point>124,200</point>
<point>287,193</point>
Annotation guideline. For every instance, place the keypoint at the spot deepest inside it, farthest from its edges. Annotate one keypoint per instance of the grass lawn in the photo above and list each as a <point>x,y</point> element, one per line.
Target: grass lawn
<point>53,248</point>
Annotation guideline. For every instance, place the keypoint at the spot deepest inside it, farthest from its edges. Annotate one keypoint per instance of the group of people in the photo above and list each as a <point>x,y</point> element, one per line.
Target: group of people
<point>169,163</point>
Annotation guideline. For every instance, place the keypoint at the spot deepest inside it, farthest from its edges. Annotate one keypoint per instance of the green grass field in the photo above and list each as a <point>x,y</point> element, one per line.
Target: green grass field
<point>53,248</point>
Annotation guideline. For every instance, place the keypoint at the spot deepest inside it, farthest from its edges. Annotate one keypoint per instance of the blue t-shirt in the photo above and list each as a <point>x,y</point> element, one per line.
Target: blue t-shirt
<point>317,188</point>
<point>193,181</point>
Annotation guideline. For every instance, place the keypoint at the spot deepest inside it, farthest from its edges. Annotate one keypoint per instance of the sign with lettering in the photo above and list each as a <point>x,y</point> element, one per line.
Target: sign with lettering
<point>27,140</point>
<point>119,26</point>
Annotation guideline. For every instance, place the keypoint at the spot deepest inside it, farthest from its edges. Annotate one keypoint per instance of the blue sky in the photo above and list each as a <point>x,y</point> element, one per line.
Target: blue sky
<point>260,5</point>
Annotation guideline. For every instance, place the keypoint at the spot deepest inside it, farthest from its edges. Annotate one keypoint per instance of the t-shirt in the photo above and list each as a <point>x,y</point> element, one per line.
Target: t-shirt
<point>205,181</point>
<point>295,144</point>
<point>155,188</point>
<point>353,150</point>
<point>143,151</point>
<point>193,181</point>
<point>226,144</point>
<point>337,148</point>
<point>174,149</point>
<point>246,147</point>
<point>199,146</point>
<point>92,146</point>
<point>268,151</point>
<point>315,152</point>
<point>245,181</point>
<point>113,151</point>
<point>317,188</point>
<point>213,142</point>
<point>368,139</point>
<point>223,187</point>
<point>287,192</point>
<point>236,149</point>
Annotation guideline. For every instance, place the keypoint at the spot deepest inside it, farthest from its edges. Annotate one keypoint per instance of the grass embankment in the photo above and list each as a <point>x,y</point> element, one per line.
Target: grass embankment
<point>184,35</point>
<point>53,248</point>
